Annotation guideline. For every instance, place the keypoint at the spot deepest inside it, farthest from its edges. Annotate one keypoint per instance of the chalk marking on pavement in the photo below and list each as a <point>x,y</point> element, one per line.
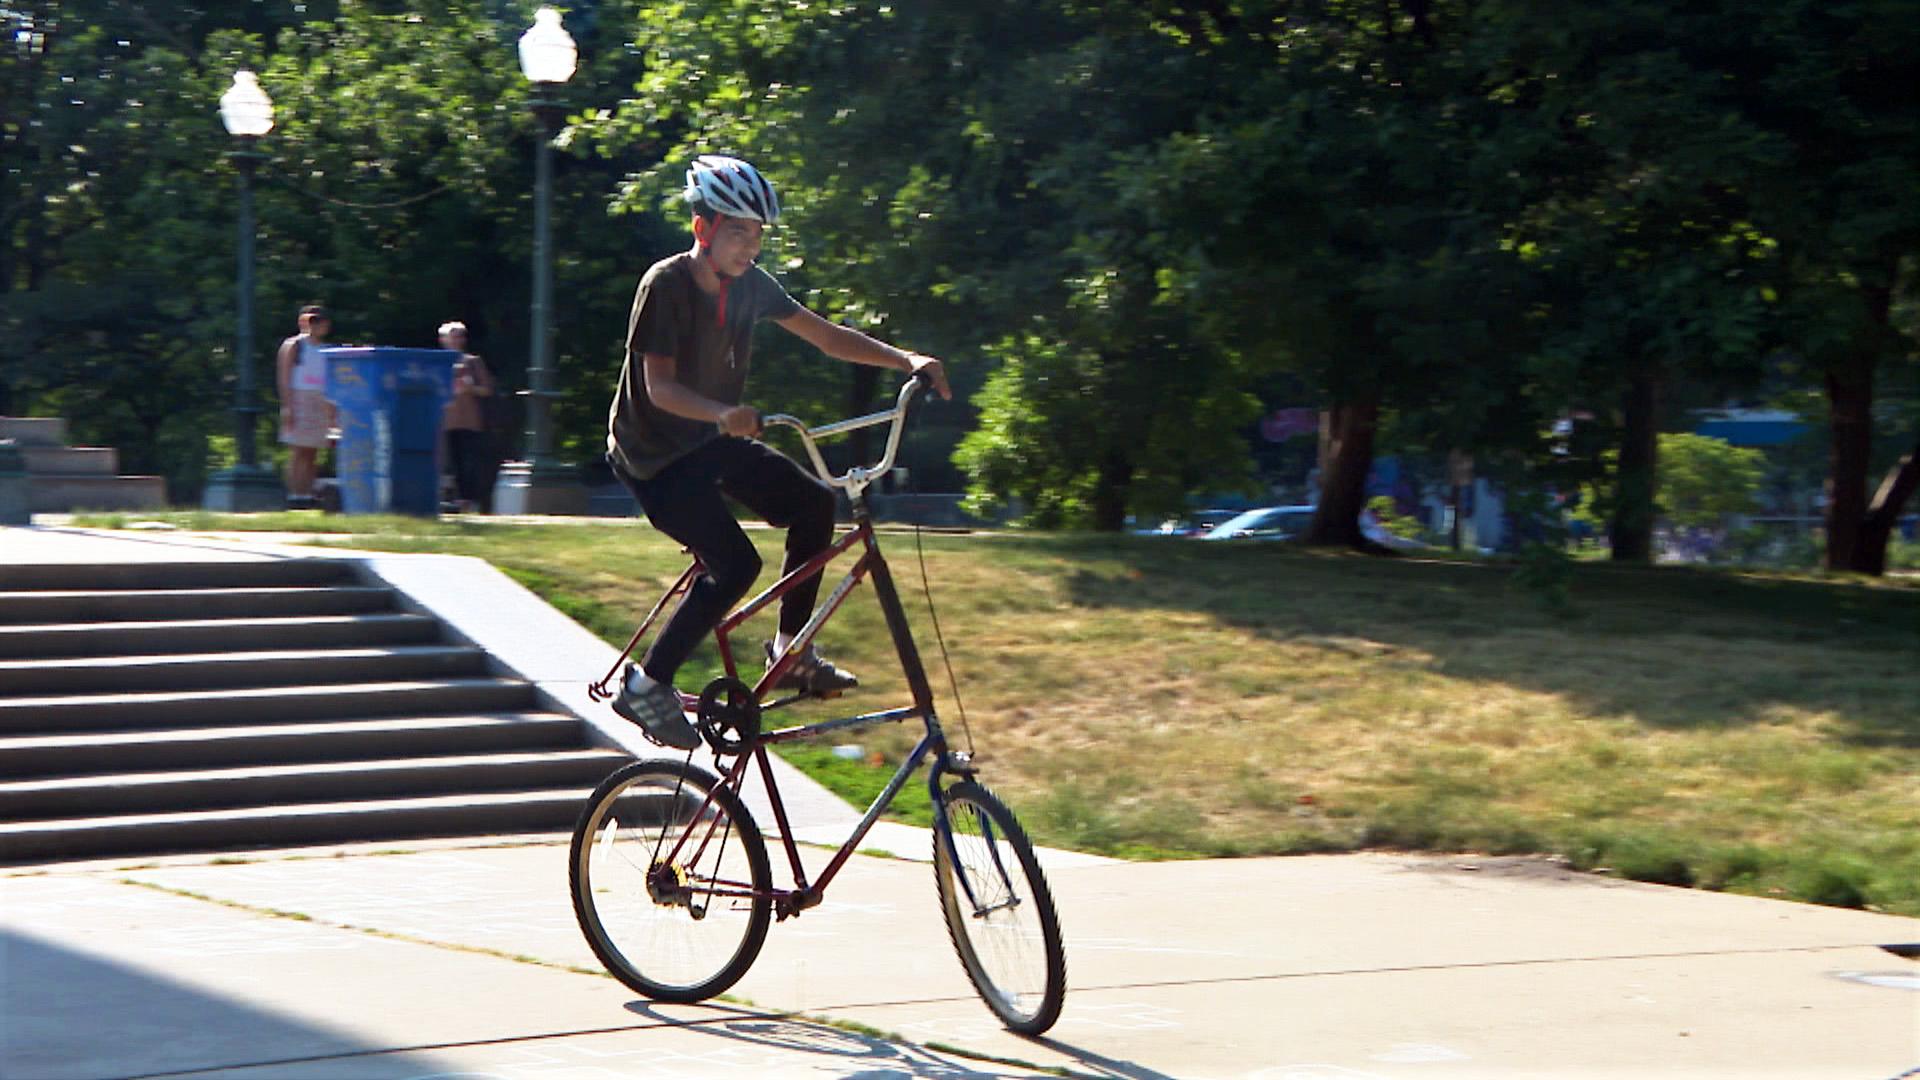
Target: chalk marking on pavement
<point>1465,966</point>
<point>370,931</point>
<point>1082,988</point>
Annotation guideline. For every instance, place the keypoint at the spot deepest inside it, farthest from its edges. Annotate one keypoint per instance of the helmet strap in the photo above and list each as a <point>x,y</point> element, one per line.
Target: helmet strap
<point>726,280</point>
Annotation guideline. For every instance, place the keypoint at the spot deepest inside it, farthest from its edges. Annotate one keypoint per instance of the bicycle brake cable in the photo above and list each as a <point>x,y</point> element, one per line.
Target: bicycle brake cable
<point>925,587</point>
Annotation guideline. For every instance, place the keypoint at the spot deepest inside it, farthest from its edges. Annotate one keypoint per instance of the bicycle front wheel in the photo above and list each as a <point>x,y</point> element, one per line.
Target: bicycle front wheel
<point>999,910</point>
<point>670,881</point>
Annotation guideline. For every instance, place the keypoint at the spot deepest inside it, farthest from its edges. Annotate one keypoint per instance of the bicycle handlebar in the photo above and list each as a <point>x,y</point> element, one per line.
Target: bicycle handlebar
<point>855,479</point>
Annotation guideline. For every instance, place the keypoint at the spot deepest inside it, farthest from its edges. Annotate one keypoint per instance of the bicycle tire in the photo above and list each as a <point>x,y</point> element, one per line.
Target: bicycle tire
<point>650,926</point>
<point>1008,934</point>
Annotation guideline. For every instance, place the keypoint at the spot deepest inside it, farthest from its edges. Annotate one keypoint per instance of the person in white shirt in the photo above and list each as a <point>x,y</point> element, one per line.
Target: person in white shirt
<point>306,416</point>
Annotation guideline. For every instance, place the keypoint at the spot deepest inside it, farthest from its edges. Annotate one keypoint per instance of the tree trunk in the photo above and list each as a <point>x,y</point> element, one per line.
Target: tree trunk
<point>1850,448</point>
<point>1111,490</point>
<point>1870,552</point>
<point>1346,457</point>
<point>1630,531</point>
<point>1856,535</point>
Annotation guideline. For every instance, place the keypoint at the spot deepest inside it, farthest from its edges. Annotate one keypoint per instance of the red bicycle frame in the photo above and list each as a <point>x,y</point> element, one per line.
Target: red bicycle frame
<point>869,563</point>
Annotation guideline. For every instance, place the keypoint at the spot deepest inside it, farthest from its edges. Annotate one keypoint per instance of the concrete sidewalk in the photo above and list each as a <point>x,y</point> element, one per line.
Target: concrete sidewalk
<point>21,545</point>
<point>465,960</point>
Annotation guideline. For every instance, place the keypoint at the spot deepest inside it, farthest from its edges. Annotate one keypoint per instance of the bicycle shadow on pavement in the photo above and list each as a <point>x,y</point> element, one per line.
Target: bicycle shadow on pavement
<point>1096,1064</point>
<point>867,1057</point>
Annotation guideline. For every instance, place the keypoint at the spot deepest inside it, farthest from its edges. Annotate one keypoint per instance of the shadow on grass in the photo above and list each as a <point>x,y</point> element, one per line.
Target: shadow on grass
<point>1676,648</point>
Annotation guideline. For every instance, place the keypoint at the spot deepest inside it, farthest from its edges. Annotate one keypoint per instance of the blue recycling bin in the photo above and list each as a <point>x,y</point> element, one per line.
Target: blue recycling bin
<point>390,402</point>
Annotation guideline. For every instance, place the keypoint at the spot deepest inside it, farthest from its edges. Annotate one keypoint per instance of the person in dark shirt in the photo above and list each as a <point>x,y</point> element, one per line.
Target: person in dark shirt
<point>680,437</point>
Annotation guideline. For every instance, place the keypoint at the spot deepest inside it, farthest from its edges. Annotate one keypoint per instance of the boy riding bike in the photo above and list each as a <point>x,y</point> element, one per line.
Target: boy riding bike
<point>679,437</point>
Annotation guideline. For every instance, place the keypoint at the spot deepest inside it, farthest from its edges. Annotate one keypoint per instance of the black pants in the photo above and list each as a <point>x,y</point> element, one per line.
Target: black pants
<point>467,451</point>
<point>684,501</point>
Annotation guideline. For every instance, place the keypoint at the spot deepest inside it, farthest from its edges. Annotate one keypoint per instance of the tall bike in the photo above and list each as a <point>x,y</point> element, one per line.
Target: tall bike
<point>670,877</point>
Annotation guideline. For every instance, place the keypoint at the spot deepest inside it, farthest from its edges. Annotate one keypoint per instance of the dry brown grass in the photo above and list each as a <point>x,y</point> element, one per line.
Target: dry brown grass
<point>1149,696</point>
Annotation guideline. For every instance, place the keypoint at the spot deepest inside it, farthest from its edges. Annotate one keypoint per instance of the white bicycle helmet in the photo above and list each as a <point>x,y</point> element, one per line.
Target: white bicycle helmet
<point>732,187</point>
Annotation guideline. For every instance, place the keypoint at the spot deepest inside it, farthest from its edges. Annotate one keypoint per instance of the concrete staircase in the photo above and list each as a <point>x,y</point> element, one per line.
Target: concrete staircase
<point>62,478</point>
<point>205,706</point>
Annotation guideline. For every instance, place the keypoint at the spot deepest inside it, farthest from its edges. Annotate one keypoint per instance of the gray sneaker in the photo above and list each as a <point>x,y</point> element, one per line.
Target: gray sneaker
<point>813,673</point>
<point>658,712</point>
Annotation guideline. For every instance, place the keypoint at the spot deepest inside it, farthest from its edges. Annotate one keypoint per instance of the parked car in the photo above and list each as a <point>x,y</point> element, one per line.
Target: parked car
<point>1291,523</point>
<point>1264,523</point>
<point>1196,524</point>
<point>1205,521</point>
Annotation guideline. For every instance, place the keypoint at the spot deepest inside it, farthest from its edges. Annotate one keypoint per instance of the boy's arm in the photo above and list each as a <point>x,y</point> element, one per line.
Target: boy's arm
<point>675,397</point>
<point>846,343</point>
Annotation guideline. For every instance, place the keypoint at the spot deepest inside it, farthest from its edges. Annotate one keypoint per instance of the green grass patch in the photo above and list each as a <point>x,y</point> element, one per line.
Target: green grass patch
<point>1157,698</point>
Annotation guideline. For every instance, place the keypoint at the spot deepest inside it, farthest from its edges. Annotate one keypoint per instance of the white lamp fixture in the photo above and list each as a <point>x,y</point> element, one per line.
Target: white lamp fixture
<point>547,52</point>
<point>245,108</point>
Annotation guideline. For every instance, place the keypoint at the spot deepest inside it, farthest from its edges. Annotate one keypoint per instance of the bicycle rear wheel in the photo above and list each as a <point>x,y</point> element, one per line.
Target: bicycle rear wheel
<point>999,910</point>
<point>670,881</point>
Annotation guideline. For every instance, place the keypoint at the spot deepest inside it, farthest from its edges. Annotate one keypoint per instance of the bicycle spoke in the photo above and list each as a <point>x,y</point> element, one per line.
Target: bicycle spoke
<point>999,911</point>
<point>670,881</point>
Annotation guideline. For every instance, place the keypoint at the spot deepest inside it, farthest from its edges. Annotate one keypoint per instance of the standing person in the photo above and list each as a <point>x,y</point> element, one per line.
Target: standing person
<point>468,443</point>
<point>305,413</point>
<point>681,440</point>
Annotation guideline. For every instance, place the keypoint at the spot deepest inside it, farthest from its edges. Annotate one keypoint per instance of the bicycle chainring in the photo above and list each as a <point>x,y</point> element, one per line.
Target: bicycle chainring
<point>729,716</point>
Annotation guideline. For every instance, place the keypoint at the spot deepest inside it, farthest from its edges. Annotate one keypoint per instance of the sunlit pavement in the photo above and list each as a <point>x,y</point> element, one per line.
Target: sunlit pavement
<point>453,959</point>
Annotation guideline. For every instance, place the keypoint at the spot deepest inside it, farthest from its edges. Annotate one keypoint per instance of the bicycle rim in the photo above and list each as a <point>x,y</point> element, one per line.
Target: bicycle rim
<point>670,881</point>
<point>999,911</point>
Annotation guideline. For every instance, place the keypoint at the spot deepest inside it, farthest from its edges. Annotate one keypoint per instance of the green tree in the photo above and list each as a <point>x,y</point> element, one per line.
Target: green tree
<point>1830,82</point>
<point>397,190</point>
<point>975,212</point>
<point>1336,212</point>
<point>1704,481</point>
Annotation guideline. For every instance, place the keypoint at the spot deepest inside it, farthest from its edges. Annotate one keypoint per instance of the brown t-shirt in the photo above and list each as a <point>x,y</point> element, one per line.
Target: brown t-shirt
<point>672,316</point>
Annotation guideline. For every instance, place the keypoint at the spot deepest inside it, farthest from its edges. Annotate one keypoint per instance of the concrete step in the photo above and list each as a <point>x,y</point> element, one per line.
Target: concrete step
<point>72,494</point>
<point>114,605</point>
<point>46,641</point>
<point>34,430</point>
<point>174,708</point>
<point>328,781</point>
<point>149,577</point>
<point>205,671</point>
<point>207,747</point>
<point>71,460</point>
<point>534,810</point>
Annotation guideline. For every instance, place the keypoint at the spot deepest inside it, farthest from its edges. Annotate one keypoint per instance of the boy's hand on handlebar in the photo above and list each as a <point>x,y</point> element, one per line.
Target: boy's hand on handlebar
<point>742,420</point>
<point>934,370</point>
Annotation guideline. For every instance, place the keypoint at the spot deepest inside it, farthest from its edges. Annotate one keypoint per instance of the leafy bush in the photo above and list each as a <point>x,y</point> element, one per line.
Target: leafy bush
<point>1390,518</point>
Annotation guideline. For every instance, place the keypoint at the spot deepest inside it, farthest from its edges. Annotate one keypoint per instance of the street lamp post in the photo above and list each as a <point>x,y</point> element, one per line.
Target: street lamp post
<point>247,112</point>
<point>540,484</point>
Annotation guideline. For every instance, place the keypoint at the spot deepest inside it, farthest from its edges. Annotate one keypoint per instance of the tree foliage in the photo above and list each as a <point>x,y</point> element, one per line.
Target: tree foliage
<point>1449,225</point>
<point>1704,481</point>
